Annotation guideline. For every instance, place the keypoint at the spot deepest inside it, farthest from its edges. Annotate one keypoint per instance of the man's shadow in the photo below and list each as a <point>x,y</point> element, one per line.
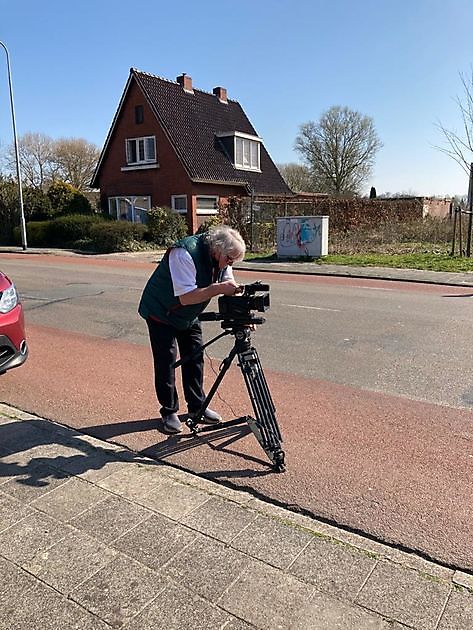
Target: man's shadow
<point>17,438</point>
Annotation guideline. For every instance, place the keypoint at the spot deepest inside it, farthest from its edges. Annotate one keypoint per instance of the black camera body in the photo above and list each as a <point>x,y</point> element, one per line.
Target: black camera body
<point>254,297</point>
<point>237,309</point>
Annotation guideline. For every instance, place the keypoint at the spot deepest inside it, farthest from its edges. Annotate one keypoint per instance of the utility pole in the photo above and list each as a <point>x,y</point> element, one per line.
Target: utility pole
<point>17,155</point>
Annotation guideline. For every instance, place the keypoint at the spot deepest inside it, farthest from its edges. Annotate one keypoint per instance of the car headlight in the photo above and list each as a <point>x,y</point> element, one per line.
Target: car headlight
<point>8,300</point>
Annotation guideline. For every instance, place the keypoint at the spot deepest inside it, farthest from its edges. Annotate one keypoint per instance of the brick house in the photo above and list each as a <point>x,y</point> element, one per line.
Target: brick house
<point>173,145</point>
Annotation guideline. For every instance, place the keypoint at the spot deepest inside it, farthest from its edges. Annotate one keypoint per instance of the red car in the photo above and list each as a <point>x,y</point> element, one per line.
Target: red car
<point>13,346</point>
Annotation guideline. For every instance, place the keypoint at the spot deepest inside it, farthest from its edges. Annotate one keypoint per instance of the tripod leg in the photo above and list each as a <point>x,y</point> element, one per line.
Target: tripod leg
<point>192,422</point>
<point>264,426</point>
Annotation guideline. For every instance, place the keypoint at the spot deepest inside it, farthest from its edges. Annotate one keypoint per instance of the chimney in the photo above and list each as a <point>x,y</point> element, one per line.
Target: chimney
<point>185,81</point>
<point>221,94</point>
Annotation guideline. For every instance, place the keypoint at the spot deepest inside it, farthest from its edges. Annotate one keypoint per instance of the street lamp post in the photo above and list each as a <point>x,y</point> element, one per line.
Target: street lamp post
<point>17,156</point>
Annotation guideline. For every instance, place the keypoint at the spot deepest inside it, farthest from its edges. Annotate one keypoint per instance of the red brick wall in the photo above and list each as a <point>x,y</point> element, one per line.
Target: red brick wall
<point>170,178</point>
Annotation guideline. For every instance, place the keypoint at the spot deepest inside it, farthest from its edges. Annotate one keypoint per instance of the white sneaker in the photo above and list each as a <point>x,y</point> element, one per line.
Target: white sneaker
<point>208,417</point>
<point>172,424</point>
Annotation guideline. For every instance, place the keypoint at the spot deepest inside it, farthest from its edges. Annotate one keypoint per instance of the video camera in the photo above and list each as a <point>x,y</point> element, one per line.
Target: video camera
<point>236,309</point>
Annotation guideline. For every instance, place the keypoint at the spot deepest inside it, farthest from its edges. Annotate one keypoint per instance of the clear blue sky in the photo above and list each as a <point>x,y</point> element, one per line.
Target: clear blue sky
<point>397,61</point>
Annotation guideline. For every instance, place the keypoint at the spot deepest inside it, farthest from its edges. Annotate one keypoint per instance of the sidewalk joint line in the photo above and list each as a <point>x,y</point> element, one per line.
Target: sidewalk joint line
<point>366,580</point>
<point>447,599</point>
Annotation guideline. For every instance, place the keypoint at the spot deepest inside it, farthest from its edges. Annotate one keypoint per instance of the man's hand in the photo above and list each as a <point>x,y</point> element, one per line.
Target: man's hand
<point>229,287</point>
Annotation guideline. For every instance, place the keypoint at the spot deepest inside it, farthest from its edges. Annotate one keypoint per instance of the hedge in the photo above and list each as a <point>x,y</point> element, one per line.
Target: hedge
<point>65,231</point>
<point>165,226</point>
<point>119,236</point>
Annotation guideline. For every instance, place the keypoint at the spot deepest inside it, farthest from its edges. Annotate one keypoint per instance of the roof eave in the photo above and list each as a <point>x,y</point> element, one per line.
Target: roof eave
<point>94,182</point>
<point>222,182</point>
<point>163,125</point>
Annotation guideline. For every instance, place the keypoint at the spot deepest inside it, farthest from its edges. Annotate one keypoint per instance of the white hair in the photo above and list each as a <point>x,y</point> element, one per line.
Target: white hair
<point>228,241</point>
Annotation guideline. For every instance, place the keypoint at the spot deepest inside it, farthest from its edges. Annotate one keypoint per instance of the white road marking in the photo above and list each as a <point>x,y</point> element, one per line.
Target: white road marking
<point>359,286</point>
<point>314,308</point>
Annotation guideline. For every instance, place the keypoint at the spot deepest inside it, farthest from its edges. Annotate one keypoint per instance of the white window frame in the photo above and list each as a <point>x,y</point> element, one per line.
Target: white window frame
<point>250,159</point>
<point>173,204</point>
<point>204,210</point>
<point>245,144</point>
<point>131,200</point>
<point>148,157</point>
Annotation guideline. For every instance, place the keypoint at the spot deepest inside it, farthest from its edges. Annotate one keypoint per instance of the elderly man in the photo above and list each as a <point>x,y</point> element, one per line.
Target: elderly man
<point>193,270</point>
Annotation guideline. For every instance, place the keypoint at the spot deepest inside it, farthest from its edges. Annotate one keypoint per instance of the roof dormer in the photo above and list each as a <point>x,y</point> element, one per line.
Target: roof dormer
<point>243,149</point>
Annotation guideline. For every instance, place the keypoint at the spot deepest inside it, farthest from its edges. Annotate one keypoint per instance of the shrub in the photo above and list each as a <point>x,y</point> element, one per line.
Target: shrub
<point>37,204</point>
<point>236,213</point>
<point>164,226</point>
<point>65,199</point>
<point>37,233</point>
<point>211,222</point>
<point>65,231</point>
<point>79,204</point>
<point>9,209</point>
<point>118,236</point>
<point>264,236</point>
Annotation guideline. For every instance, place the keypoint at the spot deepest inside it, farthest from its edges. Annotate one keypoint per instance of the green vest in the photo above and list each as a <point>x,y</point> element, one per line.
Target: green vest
<point>158,300</point>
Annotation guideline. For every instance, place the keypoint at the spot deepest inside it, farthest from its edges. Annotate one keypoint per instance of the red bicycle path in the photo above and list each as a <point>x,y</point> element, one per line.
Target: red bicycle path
<point>395,469</point>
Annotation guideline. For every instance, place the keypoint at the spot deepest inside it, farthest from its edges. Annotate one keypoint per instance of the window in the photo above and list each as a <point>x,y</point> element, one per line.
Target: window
<point>207,204</point>
<point>247,154</point>
<point>179,203</point>
<point>134,209</point>
<point>242,148</point>
<point>139,114</point>
<point>141,150</point>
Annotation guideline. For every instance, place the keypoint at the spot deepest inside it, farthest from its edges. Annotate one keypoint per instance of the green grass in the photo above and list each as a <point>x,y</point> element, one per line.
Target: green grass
<point>432,262</point>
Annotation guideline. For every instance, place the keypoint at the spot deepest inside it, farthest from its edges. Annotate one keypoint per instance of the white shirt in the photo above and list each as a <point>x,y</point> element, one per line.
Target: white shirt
<point>184,274</point>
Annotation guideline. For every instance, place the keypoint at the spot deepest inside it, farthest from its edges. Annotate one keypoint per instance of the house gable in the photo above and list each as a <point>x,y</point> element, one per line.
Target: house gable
<point>195,122</point>
<point>113,162</point>
<point>171,144</point>
<point>199,126</point>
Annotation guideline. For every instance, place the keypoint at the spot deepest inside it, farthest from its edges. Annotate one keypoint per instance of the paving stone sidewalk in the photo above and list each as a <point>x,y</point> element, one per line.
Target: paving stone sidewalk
<point>93,536</point>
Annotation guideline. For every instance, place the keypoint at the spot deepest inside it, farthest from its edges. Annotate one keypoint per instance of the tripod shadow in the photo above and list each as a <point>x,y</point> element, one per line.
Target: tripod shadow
<point>175,444</point>
<point>182,442</point>
<point>110,431</point>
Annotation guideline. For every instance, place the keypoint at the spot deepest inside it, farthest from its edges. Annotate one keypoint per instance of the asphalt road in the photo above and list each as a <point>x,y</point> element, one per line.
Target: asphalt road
<point>371,382</point>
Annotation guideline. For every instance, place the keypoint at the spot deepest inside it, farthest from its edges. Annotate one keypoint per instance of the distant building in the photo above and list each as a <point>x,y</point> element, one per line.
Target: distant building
<point>431,206</point>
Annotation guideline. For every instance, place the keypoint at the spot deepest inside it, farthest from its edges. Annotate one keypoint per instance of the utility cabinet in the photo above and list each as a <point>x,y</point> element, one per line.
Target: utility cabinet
<point>302,236</point>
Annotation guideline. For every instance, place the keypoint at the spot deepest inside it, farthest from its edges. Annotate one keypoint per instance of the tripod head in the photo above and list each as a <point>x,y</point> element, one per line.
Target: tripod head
<point>230,323</point>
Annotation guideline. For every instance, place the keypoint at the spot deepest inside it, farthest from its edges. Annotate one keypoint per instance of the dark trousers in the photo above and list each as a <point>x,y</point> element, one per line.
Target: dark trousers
<point>164,342</point>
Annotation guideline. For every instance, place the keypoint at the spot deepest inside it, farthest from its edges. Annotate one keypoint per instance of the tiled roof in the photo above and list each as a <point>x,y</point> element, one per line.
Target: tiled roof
<point>192,122</point>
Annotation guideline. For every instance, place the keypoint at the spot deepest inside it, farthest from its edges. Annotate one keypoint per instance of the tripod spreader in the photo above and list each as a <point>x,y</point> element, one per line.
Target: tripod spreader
<point>264,425</point>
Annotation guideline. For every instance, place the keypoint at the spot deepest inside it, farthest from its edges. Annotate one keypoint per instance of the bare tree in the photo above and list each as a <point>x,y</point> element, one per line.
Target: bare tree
<point>459,145</point>
<point>339,150</point>
<point>75,160</point>
<point>36,155</point>
<point>297,177</point>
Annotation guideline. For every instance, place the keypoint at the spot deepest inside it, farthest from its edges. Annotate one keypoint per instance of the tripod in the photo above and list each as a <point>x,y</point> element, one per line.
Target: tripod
<point>264,425</point>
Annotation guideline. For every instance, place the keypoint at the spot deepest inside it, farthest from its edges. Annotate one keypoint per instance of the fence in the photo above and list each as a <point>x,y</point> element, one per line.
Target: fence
<point>255,218</point>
